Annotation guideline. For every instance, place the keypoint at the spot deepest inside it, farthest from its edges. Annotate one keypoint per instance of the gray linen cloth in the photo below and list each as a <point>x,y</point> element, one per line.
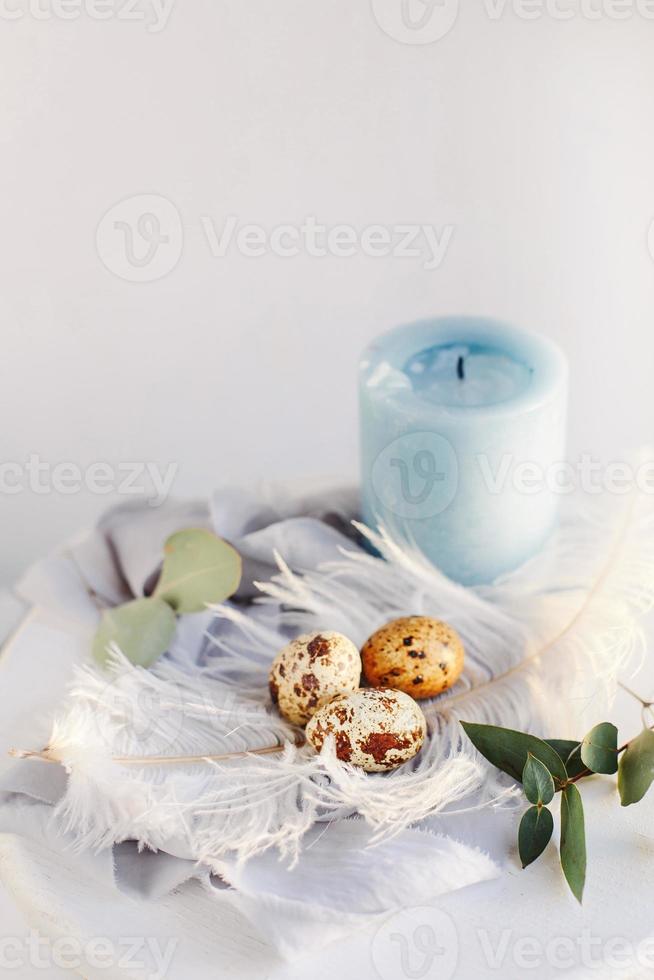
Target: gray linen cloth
<point>119,560</point>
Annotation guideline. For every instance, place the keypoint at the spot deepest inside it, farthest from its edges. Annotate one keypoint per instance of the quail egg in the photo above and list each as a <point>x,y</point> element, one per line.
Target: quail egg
<point>417,654</point>
<point>310,671</point>
<point>374,729</point>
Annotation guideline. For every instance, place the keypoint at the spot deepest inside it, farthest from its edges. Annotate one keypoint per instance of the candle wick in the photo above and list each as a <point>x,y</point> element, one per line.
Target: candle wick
<point>460,373</point>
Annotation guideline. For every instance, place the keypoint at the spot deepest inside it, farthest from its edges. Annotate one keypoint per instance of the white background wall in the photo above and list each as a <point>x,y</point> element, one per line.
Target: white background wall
<point>534,139</point>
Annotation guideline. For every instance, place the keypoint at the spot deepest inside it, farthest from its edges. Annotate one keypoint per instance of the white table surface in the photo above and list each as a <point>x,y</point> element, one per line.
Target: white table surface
<point>523,924</point>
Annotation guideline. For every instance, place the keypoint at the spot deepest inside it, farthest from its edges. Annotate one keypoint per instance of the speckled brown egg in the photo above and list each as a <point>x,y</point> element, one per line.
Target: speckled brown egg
<point>418,655</point>
<point>310,670</point>
<point>374,729</point>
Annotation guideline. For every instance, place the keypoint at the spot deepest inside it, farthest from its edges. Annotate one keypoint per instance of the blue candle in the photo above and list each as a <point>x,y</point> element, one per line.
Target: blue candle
<point>462,432</point>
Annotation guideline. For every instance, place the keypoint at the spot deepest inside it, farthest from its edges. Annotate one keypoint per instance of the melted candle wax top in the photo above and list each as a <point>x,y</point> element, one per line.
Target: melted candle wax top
<point>466,375</point>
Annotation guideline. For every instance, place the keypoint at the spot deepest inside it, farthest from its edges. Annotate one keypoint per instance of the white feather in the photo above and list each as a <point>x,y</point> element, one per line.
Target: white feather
<point>542,645</point>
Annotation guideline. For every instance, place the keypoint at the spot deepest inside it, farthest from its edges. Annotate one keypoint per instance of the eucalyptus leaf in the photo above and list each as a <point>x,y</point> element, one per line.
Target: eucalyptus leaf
<point>199,568</point>
<point>573,840</point>
<point>599,750</point>
<point>537,781</point>
<point>570,752</point>
<point>636,770</point>
<point>534,833</point>
<point>508,750</point>
<point>142,630</point>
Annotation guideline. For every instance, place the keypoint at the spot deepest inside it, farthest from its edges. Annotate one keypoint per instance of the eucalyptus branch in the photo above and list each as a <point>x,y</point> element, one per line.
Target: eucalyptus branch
<point>198,569</point>
<point>549,766</point>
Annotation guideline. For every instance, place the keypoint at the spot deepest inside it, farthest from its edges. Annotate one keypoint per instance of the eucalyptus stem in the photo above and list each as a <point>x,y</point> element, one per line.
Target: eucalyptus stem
<point>589,772</point>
